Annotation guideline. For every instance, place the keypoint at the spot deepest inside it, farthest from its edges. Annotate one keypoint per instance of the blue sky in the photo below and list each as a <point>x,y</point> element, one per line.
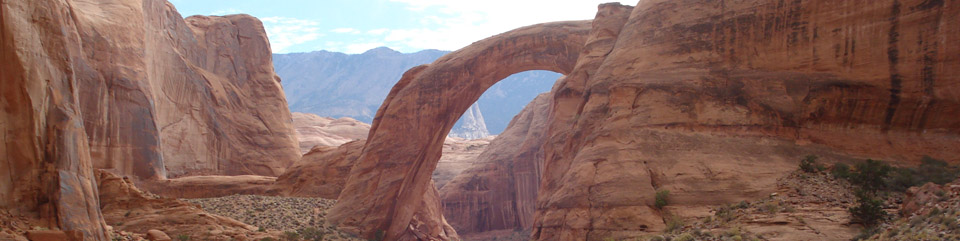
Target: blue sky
<point>354,26</point>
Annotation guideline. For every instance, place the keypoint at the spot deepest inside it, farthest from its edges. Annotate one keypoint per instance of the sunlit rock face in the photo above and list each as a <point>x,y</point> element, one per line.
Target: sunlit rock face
<point>170,97</point>
<point>132,87</point>
<point>389,189</point>
<point>712,100</point>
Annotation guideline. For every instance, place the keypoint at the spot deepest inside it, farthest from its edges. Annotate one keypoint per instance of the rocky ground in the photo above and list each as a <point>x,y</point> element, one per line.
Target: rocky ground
<point>287,214</point>
<point>931,212</point>
<point>807,206</point>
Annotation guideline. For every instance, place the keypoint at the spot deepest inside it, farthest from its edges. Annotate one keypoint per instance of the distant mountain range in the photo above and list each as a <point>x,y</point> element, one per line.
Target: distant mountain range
<point>338,85</point>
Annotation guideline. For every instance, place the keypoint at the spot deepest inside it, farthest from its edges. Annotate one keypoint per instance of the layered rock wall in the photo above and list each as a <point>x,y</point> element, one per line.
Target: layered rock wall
<point>499,191</point>
<point>718,99</point>
<point>703,98</point>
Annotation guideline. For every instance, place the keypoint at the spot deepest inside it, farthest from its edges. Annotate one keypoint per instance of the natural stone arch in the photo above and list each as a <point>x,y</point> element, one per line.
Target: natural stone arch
<point>389,185</point>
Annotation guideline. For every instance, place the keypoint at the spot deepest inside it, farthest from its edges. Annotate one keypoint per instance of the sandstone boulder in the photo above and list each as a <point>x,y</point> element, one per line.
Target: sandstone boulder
<point>157,235</point>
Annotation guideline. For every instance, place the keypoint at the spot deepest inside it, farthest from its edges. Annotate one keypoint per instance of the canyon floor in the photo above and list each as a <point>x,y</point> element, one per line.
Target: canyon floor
<point>285,214</point>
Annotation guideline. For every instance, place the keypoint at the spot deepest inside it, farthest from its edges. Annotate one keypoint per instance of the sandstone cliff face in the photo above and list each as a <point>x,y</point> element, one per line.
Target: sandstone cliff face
<point>718,99</point>
<point>499,190</point>
<point>47,169</point>
<point>313,130</point>
<point>173,97</point>
<point>703,98</point>
<point>130,86</point>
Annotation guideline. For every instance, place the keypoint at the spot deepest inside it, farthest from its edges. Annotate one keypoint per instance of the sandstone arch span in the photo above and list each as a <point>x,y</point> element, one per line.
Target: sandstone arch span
<point>389,189</point>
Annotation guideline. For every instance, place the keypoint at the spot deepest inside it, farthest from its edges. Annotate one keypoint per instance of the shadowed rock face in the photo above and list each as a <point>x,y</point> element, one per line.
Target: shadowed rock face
<point>168,97</point>
<point>703,98</point>
<point>45,161</point>
<point>388,184</point>
<point>499,191</point>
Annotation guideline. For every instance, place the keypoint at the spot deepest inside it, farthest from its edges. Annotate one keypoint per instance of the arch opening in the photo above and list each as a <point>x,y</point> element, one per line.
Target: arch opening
<point>388,190</point>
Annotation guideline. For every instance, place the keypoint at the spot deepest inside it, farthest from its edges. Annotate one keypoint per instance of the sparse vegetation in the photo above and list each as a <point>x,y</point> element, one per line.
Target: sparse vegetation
<point>841,171</point>
<point>869,210</point>
<point>674,224</point>
<point>291,236</point>
<point>311,234</point>
<point>662,199</point>
<point>379,235</point>
<point>809,164</point>
<point>183,237</point>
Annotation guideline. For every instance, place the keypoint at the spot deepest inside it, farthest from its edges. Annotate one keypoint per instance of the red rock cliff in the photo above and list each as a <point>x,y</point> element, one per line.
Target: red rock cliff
<point>499,191</point>
<point>703,98</point>
<point>130,86</point>
<point>169,97</point>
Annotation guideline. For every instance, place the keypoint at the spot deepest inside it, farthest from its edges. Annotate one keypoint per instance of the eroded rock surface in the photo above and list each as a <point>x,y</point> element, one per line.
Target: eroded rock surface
<point>127,208</point>
<point>133,87</point>
<point>313,130</point>
<point>703,98</point>
<point>388,185</point>
<point>170,97</point>
<point>499,191</point>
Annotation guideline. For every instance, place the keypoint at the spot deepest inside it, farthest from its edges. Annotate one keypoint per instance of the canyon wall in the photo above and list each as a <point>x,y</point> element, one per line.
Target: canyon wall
<point>132,87</point>
<point>718,99</point>
<point>499,190</point>
<point>45,158</point>
<point>703,98</point>
<point>170,97</point>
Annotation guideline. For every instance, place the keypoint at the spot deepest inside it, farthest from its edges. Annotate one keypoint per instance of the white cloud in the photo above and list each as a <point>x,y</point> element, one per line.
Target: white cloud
<point>450,25</point>
<point>285,32</point>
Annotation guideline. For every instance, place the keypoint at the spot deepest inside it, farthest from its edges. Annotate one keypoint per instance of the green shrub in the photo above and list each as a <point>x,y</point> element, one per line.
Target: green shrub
<point>841,171</point>
<point>674,224</point>
<point>930,170</point>
<point>291,236</point>
<point>266,239</point>
<point>869,210</point>
<point>183,237</point>
<point>871,175</point>
<point>311,234</point>
<point>809,164</point>
<point>662,199</point>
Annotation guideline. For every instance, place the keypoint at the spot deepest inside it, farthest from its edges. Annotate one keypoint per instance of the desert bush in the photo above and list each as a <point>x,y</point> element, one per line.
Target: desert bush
<point>291,236</point>
<point>311,234</point>
<point>662,199</point>
<point>674,224</point>
<point>869,210</point>
<point>840,170</point>
<point>930,170</point>
<point>871,175</point>
<point>809,164</point>
<point>183,237</point>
